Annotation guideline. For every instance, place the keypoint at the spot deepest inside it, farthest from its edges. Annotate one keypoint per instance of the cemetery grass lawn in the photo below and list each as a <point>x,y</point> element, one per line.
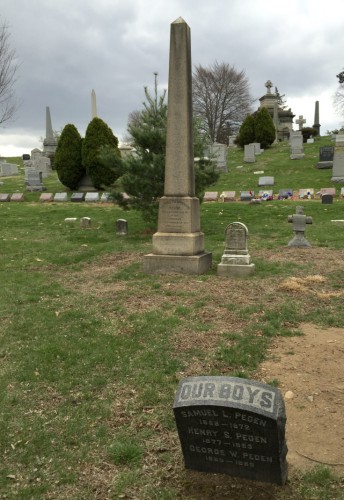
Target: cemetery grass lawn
<point>92,349</point>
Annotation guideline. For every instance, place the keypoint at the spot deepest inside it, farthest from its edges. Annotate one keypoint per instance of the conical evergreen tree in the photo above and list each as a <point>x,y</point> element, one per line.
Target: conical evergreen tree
<point>265,132</point>
<point>247,131</point>
<point>67,159</point>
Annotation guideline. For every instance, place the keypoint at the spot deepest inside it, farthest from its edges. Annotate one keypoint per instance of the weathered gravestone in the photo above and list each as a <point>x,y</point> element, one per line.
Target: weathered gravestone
<point>5,197</point>
<point>338,160</point>
<point>121,227</point>
<point>299,221</point>
<point>330,190</point>
<point>210,196</point>
<point>105,198</point>
<point>61,197</point>
<point>266,181</point>
<point>17,197</point>
<point>249,153</point>
<point>92,197</point>
<point>227,196</point>
<point>45,197</point>
<point>234,426</point>
<point>219,153</point>
<point>246,195</point>
<point>8,169</point>
<point>25,157</point>
<point>236,260</point>
<point>85,223</point>
<point>257,148</point>
<point>77,197</point>
<point>326,154</point>
<point>34,181</point>
<point>296,145</point>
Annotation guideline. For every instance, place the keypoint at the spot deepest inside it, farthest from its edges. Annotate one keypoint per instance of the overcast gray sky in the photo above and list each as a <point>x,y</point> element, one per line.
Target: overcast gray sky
<point>66,48</point>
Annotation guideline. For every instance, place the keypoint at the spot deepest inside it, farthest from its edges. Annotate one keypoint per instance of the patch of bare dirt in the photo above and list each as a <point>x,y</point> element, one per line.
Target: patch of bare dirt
<point>310,372</point>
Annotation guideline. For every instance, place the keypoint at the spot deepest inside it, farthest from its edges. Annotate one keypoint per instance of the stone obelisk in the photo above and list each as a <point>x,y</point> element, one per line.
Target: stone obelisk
<point>316,118</point>
<point>49,143</point>
<point>178,245</point>
<point>93,105</point>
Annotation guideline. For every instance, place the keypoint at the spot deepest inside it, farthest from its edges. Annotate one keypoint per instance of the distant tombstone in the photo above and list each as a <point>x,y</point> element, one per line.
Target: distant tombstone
<point>45,197</point>
<point>249,153</point>
<point>299,221</point>
<point>285,194</point>
<point>85,223</point>
<point>331,191</point>
<point>77,197</point>
<point>236,260</point>
<point>121,227</point>
<point>8,169</point>
<point>246,195</point>
<point>326,154</point>
<point>338,160</point>
<point>310,140</point>
<point>219,153</point>
<point>210,196</point>
<point>34,178</point>
<point>257,148</point>
<point>61,197</point>
<point>232,426</point>
<point>26,157</point>
<point>327,199</point>
<point>105,197</point>
<point>342,192</point>
<point>296,145</point>
<point>266,181</point>
<point>228,196</point>
<point>266,195</point>
<point>92,197</point>
<point>231,141</point>
<point>17,197</point>
<point>71,219</point>
<point>306,194</point>
<point>5,197</point>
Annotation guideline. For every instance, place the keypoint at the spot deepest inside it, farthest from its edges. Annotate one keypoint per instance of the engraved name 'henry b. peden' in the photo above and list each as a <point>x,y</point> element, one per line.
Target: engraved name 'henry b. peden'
<point>232,425</point>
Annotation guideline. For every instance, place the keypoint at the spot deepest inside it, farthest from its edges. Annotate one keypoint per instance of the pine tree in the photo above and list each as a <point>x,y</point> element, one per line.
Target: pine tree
<point>247,131</point>
<point>265,132</point>
<point>67,158</point>
<point>99,135</point>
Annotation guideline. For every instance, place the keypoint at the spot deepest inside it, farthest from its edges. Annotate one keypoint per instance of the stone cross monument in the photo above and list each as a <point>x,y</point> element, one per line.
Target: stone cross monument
<point>300,121</point>
<point>49,143</point>
<point>178,245</point>
<point>268,86</point>
<point>93,105</point>
<point>299,221</point>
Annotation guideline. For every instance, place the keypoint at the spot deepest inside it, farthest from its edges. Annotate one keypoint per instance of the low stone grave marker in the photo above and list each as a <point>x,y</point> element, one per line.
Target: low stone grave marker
<point>121,227</point>
<point>266,181</point>
<point>285,194</point>
<point>305,194</point>
<point>249,153</point>
<point>45,197</point>
<point>246,195</point>
<point>60,197</point>
<point>299,221</point>
<point>105,198</point>
<point>5,197</point>
<point>228,196</point>
<point>233,426</point>
<point>266,195</point>
<point>92,197</point>
<point>85,223</point>
<point>210,196</point>
<point>342,192</point>
<point>326,154</point>
<point>257,149</point>
<point>17,197</point>
<point>77,197</point>
<point>327,199</point>
<point>236,260</point>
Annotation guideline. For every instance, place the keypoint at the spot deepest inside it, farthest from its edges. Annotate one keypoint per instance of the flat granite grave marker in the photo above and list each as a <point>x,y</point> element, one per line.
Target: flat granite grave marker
<point>266,194</point>
<point>306,194</point>
<point>210,196</point>
<point>77,197</point>
<point>92,197</point>
<point>45,197</point>
<point>327,199</point>
<point>105,198</point>
<point>227,196</point>
<point>246,195</point>
<point>17,197</point>
<point>61,197</point>
<point>233,426</point>
<point>266,181</point>
<point>5,197</point>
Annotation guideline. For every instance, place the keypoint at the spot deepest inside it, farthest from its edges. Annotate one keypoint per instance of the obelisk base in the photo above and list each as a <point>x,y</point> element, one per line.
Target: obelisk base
<point>177,264</point>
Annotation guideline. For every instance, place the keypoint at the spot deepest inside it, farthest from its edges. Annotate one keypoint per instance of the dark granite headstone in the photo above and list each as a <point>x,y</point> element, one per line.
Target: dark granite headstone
<point>285,194</point>
<point>121,227</point>
<point>327,199</point>
<point>233,426</point>
<point>326,154</point>
<point>26,157</point>
<point>77,197</point>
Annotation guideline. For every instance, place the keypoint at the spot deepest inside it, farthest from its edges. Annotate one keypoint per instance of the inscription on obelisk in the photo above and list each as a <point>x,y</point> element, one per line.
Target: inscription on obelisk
<point>178,245</point>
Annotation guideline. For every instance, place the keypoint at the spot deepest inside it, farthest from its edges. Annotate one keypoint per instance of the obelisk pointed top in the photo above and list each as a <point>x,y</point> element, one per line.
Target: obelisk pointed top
<point>179,21</point>
<point>49,135</point>
<point>93,104</point>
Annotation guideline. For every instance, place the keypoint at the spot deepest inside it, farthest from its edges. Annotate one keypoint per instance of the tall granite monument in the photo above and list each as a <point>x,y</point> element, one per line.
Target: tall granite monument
<point>316,124</point>
<point>50,142</point>
<point>93,104</point>
<point>178,245</point>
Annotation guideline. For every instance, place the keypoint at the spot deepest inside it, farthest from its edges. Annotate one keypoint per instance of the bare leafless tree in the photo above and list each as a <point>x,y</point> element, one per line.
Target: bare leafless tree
<point>8,76</point>
<point>221,99</point>
<point>338,98</point>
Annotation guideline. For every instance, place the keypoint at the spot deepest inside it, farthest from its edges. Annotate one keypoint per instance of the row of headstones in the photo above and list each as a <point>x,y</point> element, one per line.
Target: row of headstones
<point>60,197</point>
<point>266,195</point>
